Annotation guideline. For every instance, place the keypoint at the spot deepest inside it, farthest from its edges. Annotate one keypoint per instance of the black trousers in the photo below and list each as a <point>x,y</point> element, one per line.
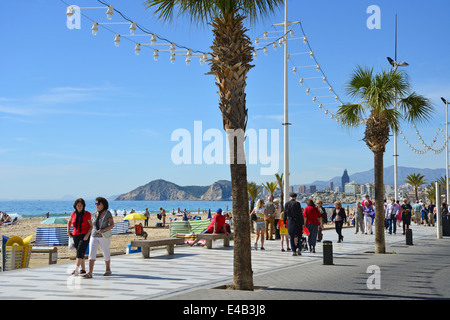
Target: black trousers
<point>338,225</point>
<point>80,244</point>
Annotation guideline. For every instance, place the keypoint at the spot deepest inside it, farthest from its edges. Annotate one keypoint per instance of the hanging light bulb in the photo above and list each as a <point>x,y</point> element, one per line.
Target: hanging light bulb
<point>117,40</point>
<point>280,42</point>
<point>320,106</point>
<point>326,111</point>
<point>94,28</point>
<point>294,70</point>
<point>305,39</point>
<point>314,99</point>
<point>307,90</point>
<point>301,81</point>
<point>137,49</point>
<point>318,68</point>
<point>324,78</point>
<point>291,32</point>
<point>256,41</point>
<point>133,27</point>
<point>255,54</point>
<point>336,97</point>
<point>172,48</point>
<point>109,12</point>
<point>265,35</point>
<point>155,54</point>
<point>275,45</point>
<point>153,39</point>
<point>69,11</point>
<point>188,57</point>
<point>172,58</point>
<point>330,89</point>
<point>265,51</point>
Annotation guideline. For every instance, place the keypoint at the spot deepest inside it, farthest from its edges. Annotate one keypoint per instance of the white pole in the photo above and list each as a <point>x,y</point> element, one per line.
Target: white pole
<point>286,117</point>
<point>395,133</point>
<point>446,157</point>
<point>438,211</point>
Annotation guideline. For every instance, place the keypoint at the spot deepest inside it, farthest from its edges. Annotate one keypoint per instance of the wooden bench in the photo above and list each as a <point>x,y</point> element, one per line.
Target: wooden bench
<point>209,237</point>
<point>147,244</point>
<point>52,253</point>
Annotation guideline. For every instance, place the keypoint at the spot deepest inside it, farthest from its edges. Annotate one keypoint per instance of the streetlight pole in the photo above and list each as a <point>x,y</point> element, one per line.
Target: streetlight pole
<point>396,65</point>
<point>446,153</point>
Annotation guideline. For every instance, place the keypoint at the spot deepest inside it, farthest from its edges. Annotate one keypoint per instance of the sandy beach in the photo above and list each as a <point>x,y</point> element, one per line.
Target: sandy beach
<point>27,227</point>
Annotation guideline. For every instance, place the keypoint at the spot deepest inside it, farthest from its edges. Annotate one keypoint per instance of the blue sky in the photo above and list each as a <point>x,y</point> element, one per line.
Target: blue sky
<point>82,117</point>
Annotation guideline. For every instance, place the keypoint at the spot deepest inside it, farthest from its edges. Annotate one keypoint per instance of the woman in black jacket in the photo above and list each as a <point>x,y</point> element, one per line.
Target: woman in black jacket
<point>339,218</point>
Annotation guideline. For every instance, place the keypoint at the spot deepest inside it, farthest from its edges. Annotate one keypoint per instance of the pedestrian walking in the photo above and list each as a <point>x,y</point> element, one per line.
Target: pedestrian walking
<point>293,218</point>
<point>284,235</point>
<point>359,218</point>
<point>324,215</point>
<point>339,218</point>
<point>260,226</point>
<point>406,215</point>
<point>369,213</point>
<point>270,219</point>
<point>277,218</point>
<point>312,220</point>
<point>399,215</point>
<point>391,216</point>
<point>80,220</point>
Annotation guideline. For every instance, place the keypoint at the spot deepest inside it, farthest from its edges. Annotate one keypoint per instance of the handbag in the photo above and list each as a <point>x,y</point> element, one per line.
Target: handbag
<point>306,231</point>
<point>71,245</point>
<point>107,234</point>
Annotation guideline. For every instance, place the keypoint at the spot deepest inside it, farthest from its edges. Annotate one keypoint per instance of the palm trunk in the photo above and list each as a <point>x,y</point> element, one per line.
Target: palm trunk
<point>379,203</point>
<point>230,63</point>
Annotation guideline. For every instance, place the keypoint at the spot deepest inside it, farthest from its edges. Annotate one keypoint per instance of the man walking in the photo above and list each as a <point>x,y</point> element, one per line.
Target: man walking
<point>293,218</point>
<point>391,216</point>
<point>270,209</point>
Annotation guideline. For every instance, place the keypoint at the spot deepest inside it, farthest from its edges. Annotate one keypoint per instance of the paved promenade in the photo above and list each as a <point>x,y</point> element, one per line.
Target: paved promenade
<point>419,271</point>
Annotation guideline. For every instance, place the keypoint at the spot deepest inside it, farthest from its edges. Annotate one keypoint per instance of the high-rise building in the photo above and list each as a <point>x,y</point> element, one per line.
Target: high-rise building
<point>331,185</point>
<point>312,188</point>
<point>302,189</point>
<point>345,179</point>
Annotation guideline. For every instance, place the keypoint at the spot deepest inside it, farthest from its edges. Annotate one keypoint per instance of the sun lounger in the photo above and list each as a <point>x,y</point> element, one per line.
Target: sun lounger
<point>53,236</point>
<point>15,221</point>
<point>188,227</point>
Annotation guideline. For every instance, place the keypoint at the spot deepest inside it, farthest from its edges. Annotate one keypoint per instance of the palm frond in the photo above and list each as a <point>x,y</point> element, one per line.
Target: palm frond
<point>416,108</point>
<point>351,114</point>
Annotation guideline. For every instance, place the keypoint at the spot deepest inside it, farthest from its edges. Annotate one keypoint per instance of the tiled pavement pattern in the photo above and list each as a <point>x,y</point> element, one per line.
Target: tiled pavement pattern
<point>192,272</point>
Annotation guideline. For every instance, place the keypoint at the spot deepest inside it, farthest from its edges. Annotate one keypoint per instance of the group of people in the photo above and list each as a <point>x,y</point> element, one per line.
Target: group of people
<point>294,223</point>
<point>91,230</point>
<point>396,214</point>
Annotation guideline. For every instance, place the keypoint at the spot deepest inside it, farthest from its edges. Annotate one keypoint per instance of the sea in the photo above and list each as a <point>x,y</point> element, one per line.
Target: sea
<point>63,208</point>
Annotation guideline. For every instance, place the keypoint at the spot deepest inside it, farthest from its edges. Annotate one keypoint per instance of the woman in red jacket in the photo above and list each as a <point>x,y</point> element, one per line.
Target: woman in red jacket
<point>81,221</point>
<point>313,219</point>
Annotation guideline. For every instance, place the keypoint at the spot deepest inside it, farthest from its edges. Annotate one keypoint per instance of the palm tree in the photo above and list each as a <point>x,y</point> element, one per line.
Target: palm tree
<point>270,187</point>
<point>378,94</point>
<point>280,183</point>
<point>415,180</point>
<point>253,192</point>
<point>230,63</point>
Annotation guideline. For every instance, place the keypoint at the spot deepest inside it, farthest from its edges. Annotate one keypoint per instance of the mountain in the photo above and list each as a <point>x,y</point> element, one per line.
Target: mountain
<point>166,191</point>
<point>388,176</point>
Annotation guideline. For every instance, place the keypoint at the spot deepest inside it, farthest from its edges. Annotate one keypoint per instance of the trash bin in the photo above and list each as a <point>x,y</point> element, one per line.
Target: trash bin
<point>328,252</point>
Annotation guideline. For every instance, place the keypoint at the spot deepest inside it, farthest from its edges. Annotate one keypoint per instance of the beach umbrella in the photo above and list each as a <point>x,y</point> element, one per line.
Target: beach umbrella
<point>135,216</point>
<point>55,220</point>
<point>209,214</point>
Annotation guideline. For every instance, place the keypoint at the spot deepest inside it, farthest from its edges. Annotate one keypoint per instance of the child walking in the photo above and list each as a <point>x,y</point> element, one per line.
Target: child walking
<point>284,235</point>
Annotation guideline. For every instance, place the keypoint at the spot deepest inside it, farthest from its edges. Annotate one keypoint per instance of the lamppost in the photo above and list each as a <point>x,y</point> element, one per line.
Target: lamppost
<point>396,65</point>
<point>446,152</point>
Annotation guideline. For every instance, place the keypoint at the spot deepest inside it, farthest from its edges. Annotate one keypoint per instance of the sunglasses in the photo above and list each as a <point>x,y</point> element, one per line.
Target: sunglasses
<point>98,203</point>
